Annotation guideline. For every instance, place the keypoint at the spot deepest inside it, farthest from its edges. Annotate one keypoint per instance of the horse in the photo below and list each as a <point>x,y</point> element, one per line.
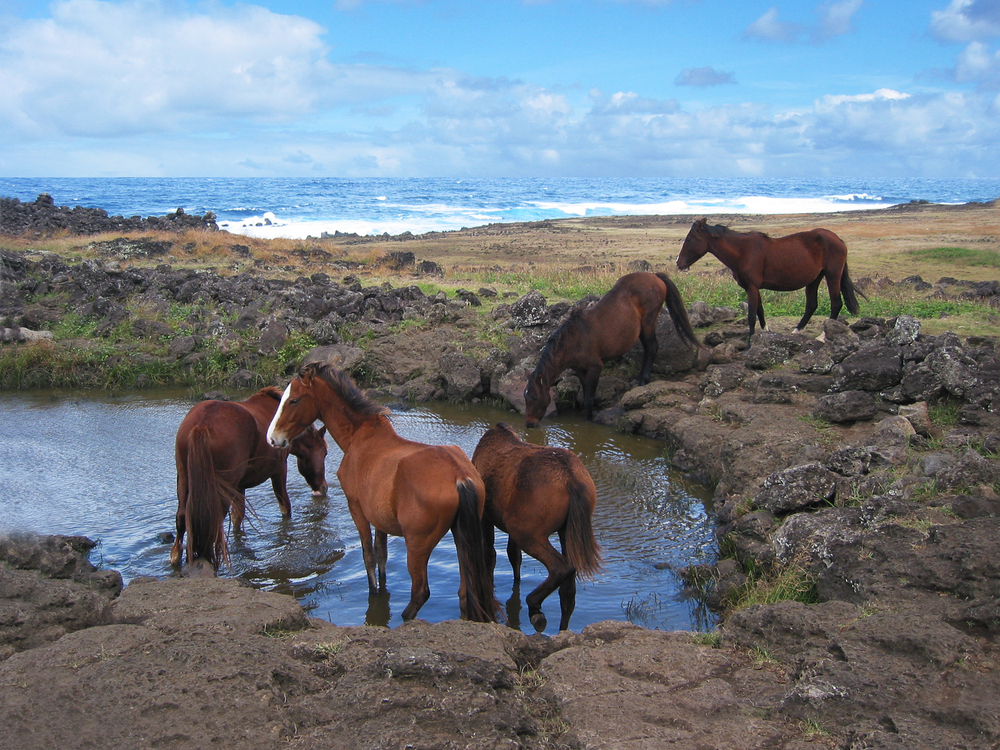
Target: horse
<point>607,329</point>
<point>531,493</point>
<point>220,451</point>
<point>782,264</point>
<point>397,486</point>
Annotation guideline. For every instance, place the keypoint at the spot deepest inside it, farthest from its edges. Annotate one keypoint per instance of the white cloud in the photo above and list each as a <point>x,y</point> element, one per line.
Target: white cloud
<point>769,29</point>
<point>976,64</point>
<point>967,21</point>
<point>835,18</point>
<point>706,76</point>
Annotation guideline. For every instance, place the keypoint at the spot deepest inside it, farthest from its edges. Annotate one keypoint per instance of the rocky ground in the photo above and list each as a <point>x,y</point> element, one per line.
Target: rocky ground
<point>861,472</point>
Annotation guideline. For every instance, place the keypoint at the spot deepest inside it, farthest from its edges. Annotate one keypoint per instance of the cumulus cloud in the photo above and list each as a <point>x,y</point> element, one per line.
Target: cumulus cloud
<point>706,76</point>
<point>977,64</point>
<point>967,21</point>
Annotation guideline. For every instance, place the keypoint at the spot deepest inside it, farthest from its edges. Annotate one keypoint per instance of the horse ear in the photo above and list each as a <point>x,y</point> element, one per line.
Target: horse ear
<point>702,221</point>
<point>321,431</point>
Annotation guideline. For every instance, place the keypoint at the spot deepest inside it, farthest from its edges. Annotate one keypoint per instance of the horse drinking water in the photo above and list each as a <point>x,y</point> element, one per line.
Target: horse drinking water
<point>607,329</point>
<point>220,451</point>
<point>782,264</point>
<point>399,486</point>
<point>533,492</point>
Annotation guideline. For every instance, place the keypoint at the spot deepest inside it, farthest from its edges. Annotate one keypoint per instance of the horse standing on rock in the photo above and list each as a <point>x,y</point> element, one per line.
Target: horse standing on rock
<point>782,264</point>
<point>605,330</point>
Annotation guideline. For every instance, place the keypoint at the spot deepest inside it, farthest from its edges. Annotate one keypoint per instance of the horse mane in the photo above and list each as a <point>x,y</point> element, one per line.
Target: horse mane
<point>271,390</point>
<point>720,231</point>
<point>558,339</point>
<point>344,387</point>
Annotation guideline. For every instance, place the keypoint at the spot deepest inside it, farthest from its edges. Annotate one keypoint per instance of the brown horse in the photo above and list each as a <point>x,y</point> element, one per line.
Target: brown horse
<point>400,487</point>
<point>605,330</point>
<point>782,264</point>
<point>221,450</point>
<point>531,493</point>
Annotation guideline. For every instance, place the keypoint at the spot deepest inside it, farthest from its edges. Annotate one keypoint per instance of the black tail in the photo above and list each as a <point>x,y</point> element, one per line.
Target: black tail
<point>850,291</point>
<point>207,504</point>
<point>678,313</point>
<point>481,604</point>
<point>582,549</point>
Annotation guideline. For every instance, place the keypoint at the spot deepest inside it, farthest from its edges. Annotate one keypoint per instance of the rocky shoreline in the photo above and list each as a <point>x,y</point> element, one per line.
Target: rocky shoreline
<point>863,469</point>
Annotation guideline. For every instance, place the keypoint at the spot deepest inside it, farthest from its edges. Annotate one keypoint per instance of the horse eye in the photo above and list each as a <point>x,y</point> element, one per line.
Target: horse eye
<point>292,401</point>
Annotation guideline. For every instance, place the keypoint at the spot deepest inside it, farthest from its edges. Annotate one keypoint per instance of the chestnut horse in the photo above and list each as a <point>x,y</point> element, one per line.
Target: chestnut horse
<point>220,451</point>
<point>605,330</point>
<point>400,487</point>
<point>531,493</point>
<point>782,264</point>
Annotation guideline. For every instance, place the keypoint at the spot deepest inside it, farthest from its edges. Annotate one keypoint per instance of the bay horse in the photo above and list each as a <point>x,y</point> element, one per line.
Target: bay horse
<point>533,492</point>
<point>782,264</point>
<point>395,485</point>
<point>606,329</point>
<point>220,451</point>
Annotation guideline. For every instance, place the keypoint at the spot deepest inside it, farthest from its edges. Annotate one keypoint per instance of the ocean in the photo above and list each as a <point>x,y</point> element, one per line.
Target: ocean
<point>303,207</point>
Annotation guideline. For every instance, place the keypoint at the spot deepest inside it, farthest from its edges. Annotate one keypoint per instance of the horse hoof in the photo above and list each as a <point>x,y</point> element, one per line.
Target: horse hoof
<point>538,621</point>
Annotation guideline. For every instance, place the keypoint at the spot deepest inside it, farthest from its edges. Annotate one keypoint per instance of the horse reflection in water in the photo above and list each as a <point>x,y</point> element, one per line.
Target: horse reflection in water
<point>782,264</point>
<point>607,329</point>
<point>531,493</point>
<point>220,451</point>
<point>397,486</point>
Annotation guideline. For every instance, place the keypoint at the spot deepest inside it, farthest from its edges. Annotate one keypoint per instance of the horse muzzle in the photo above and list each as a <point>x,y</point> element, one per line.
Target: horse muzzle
<point>322,491</point>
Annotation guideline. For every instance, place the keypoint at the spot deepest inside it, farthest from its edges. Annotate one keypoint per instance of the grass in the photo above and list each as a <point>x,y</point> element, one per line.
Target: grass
<point>957,256</point>
<point>786,583</point>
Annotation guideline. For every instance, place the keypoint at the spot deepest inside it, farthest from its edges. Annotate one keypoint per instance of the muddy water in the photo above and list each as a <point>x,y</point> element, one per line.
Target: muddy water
<point>102,466</point>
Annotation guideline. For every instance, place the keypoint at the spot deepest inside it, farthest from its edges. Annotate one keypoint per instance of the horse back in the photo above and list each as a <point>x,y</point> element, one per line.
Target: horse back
<point>236,439</point>
<point>617,318</point>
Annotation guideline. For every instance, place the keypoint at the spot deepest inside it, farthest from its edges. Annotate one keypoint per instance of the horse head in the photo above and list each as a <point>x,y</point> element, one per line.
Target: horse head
<point>536,400</point>
<point>695,245</point>
<point>310,450</point>
<point>297,411</point>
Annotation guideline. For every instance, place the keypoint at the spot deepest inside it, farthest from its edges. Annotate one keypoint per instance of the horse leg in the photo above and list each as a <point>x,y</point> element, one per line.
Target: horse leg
<point>381,555</point>
<point>237,512</point>
<point>367,550</point>
<point>177,550</point>
<point>279,483</point>
<point>811,303</point>
<point>836,299</point>
<point>514,555</point>
<point>559,570</point>
<point>755,309</point>
<point>417,555</point>
<point>567,591</point>
<point>647,335</point>
<point>590,380</point>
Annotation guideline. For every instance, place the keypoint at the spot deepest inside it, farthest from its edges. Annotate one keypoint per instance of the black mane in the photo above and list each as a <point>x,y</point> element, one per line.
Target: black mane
<point>344,387</point>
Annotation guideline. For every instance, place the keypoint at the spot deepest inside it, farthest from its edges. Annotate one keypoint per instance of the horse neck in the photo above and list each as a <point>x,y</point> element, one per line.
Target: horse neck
<point>727,249</point>
<point>553,361</point>
<point>348,428</point>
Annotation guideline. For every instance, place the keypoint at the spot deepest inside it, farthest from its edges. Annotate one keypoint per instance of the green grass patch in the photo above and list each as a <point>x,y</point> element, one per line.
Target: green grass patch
<point>959,256</point>
<point>787,583</point>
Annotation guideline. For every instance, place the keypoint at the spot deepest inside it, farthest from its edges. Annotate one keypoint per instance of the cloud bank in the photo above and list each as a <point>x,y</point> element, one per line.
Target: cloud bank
<point>139,88</point>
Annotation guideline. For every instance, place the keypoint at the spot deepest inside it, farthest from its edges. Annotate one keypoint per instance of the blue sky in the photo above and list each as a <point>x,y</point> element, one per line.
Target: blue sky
<point>500,88</point>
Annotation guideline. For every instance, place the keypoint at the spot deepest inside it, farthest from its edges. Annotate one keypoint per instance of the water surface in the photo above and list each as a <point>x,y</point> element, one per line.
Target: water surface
<point>103,466</point>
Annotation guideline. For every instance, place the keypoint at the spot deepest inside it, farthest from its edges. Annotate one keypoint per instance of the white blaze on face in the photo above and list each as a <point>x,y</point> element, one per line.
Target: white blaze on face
<point>274,421</point>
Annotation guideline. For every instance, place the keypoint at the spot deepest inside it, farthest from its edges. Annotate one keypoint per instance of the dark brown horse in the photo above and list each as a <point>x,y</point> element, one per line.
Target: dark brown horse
<point>605,330</point>
<point>400,487</point>
<point>221,450</point>
<point>531,493</point>
<point>782,264</point>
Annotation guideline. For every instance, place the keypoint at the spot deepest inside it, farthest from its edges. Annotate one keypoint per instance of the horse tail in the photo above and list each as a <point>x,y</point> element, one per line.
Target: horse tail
<point>206,506</point>
<point>481,604</point>
<point>850,292</point>
<point>582,549</point>
<point>678,313</point>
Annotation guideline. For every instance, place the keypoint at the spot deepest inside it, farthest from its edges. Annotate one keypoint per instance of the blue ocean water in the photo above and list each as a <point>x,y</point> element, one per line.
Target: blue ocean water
<point>300,207</point>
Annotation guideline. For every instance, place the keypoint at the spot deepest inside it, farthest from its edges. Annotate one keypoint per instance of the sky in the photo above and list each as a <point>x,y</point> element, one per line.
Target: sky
<point>792,89</point>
